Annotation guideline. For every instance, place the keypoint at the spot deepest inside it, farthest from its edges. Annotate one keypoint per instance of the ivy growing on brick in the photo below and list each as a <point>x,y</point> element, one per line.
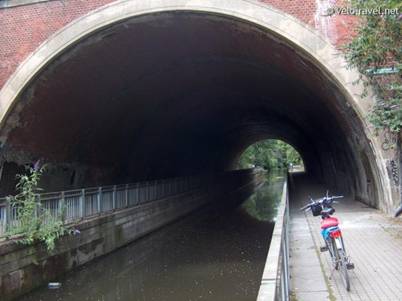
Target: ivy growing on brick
<point>376,51</point>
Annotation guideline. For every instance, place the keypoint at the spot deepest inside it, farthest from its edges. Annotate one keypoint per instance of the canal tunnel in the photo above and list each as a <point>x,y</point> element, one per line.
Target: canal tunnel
<point>181,93</point>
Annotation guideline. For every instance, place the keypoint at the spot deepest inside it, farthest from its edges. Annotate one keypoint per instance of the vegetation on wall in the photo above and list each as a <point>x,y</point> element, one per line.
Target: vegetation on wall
<point>269,154</point>
<point>34,222</point>
<point>376,51</point>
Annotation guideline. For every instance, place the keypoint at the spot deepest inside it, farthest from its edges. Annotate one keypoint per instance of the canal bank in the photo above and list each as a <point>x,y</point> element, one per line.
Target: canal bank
<point>26,267</point>
<point>213,254</point>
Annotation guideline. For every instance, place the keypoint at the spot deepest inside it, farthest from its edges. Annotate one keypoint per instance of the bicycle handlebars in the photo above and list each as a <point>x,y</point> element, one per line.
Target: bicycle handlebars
<point>330,200</point>
<point>327,200</point>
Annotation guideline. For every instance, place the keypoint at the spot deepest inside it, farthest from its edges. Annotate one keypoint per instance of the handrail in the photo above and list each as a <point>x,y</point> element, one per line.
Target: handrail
<point>275,279</point>
<point>75,205</point>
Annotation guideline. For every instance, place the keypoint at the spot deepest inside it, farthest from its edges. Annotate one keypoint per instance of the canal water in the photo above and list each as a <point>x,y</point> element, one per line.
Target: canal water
<point>212,254</point>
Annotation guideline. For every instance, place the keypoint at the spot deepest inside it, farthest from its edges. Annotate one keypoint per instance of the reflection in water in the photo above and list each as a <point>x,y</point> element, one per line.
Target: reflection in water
<point>213,254</point>
<point>258,206</point>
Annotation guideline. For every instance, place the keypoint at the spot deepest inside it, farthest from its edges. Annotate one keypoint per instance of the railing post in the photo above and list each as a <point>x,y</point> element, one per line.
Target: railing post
<point>137,195</point>
<point>82,204</point>
<point>37,205</point>
<point>147,191</point>
<point>7,216</point>
<point>114,198</point>
<point>99,199</point>
<point>62,205</point>
<point>126,192</point>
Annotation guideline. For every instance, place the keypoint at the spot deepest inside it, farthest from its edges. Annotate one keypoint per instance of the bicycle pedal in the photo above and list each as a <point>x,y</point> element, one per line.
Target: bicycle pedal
<point>323,249</point>
<point>350,266</point>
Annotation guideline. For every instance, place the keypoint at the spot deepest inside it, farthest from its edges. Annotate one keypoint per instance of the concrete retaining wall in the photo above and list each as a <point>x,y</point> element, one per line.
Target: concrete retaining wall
<point>23,268</point>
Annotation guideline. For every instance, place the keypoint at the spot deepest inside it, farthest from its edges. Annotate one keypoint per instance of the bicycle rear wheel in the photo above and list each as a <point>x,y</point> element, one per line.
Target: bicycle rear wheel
<point>342,263</point>
<point>333,253</point>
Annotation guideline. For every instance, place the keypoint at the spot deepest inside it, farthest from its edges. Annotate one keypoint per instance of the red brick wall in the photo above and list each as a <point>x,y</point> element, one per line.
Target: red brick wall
<point>336,28</point>
<point>301,9</point>
<point>24,28</point>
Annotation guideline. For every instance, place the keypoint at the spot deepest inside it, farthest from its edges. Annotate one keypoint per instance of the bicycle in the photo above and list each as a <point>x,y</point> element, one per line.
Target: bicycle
<point>332,235</point>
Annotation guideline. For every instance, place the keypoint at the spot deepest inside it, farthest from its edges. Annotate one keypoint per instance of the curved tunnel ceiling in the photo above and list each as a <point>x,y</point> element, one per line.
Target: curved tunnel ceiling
<point>181,93</point>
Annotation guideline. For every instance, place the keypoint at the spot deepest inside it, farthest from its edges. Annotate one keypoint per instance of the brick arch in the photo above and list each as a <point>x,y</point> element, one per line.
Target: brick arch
<point>288,30</point>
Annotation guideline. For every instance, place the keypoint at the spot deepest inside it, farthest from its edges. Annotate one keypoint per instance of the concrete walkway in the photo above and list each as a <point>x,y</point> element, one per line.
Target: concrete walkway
<point>373,240</point>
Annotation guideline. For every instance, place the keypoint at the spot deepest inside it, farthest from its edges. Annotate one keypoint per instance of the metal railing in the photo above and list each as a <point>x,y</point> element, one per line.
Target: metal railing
<point>275,279</point>
<point>74,205</point>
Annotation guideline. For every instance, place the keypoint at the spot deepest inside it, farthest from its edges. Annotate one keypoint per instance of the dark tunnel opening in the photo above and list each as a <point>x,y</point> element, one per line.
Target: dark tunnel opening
<point>180,93</point>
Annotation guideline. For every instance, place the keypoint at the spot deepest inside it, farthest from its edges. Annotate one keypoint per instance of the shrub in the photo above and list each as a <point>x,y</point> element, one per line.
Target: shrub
<point>34,222</point>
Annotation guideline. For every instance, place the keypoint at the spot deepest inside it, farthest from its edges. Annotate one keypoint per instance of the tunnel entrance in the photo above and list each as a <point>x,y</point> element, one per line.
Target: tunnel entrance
<point>176,93</point>
<point>271,155</point>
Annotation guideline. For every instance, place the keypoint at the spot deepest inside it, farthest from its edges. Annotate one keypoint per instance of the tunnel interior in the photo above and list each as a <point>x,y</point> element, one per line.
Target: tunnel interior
<point>180,93</point>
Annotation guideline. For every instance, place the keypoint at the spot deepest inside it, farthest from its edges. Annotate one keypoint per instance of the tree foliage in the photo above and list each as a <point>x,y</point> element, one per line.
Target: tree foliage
<point>34,222</point>
<point>269,154</point>
<point>378,45</point>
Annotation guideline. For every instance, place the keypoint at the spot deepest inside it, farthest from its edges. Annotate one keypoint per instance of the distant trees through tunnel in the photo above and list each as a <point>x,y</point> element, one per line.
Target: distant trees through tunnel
<point>271,155</point>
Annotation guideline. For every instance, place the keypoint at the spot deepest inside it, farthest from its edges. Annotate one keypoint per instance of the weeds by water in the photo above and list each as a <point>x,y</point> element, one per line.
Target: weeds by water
<point>33,222</point>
